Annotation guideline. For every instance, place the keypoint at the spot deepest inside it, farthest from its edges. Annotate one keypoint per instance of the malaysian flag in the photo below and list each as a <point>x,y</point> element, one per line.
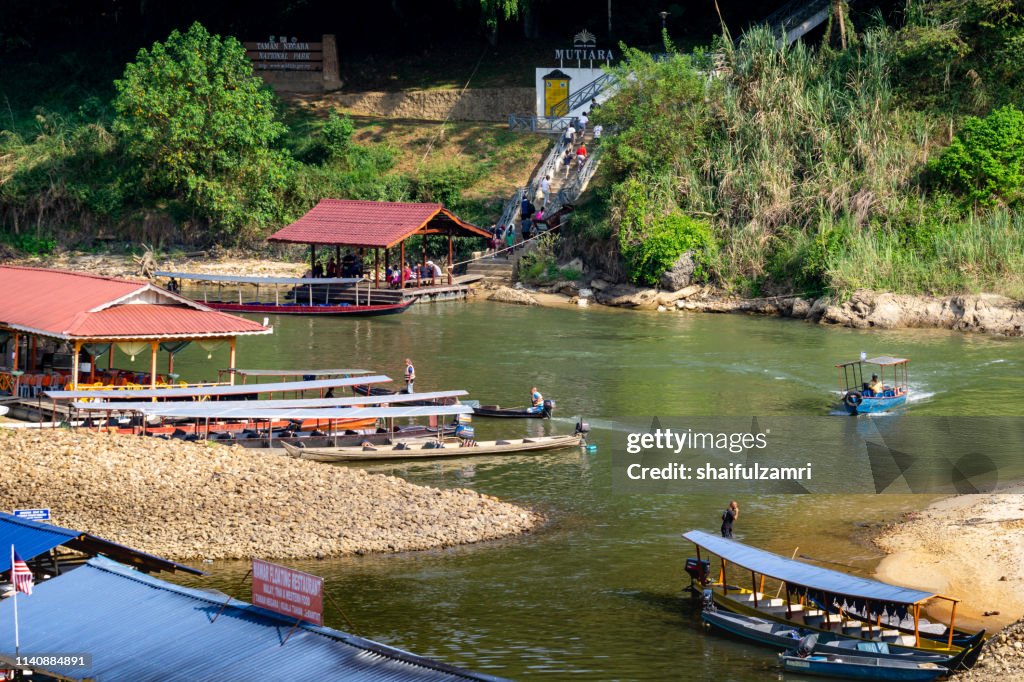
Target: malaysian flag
<point>21,576</point>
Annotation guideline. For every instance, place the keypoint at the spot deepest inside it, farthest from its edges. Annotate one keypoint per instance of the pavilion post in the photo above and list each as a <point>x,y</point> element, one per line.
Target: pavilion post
<point>401,267</point>
<point>154,346</point>
<point>231,361</point>
<point>14,355</point>
<point>74,365</point>
<point>423,256</point>
<point>337,260</point>
<point>376,268</point>
<point>312,259</point>
<point>451,261</point>
<point>32,354</point>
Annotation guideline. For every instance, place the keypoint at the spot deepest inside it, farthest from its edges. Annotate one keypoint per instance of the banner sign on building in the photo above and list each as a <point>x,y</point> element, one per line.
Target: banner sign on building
<point>289,592</point>
<point>584,48</point>
<point>33,514</point>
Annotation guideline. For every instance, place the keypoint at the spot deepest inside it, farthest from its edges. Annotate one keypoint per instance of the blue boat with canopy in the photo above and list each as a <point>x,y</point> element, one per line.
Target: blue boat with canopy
<point>887,388</point>
<point>820,599</point>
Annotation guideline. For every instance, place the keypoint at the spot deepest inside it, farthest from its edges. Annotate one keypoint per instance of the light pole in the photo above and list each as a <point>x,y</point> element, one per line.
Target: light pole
<point>664,16</point>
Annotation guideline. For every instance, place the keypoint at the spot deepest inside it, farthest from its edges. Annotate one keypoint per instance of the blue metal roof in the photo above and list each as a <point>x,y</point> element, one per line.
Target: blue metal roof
<point>137,627</point>
<point>806,575</point>
<point>30,538</point>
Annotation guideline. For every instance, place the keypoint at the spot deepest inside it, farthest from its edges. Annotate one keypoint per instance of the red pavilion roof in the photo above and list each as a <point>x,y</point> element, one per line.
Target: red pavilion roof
<point>73,305</point>
<point>373,224</point>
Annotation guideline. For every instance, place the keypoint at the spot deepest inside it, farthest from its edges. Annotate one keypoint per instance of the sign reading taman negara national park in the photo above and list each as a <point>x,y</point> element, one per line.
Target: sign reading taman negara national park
<point>281,53</point>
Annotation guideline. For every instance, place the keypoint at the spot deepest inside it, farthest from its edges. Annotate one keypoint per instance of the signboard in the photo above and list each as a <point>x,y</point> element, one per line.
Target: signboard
<point>584,48</point>
<point>33,514</point>
<point>289,592</point>
<point>281,53</point>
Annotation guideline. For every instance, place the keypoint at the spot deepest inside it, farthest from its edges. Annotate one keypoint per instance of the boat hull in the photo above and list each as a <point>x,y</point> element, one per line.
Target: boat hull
<point>860,669</point>
<point>323,310</point>
<point>872,405</point>
<point>419,451</point>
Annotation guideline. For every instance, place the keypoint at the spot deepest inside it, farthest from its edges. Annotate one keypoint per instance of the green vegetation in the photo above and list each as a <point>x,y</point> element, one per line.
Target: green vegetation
<point>811,166</point>
<point>190,148</point>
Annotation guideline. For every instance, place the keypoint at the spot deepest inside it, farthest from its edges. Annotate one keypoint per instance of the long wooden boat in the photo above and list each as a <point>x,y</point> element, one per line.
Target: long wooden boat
<point>406,398</point>
<point>861,668</point>
<point>449,447</point>
<point>809,588</point>
<point>323,309</point>
<point>303,296</point>
<point>515,412</point>
<point>858,398</point>
<point>784,636</point>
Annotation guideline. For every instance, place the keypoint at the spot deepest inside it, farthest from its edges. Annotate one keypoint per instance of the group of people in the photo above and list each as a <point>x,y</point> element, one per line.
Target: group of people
<point>398,278</point>
<point>351,265</point>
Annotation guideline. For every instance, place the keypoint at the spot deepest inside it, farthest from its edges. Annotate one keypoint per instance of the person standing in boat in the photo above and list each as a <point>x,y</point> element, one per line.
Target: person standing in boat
<point>729,516</point>
<point>410,375</point>
<point>536,401</point>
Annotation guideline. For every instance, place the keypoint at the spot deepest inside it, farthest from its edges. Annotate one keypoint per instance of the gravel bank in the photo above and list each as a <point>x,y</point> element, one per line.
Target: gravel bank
<point>193,500</point>
<point>1002,659</point>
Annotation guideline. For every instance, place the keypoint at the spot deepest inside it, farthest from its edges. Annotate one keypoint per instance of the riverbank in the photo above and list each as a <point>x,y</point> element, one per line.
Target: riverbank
<point>196,500</point>
<point>978,313</point>
<point>970,547</point>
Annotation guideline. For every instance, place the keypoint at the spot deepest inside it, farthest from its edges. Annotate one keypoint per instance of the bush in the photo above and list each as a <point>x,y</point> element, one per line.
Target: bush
<point>986,159</point>
<point>200,128</point>
<point>667,238</point>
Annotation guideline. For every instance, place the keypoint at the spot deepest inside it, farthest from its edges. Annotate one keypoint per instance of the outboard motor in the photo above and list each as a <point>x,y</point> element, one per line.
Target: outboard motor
<point>549,406</point>
<point>707,601</point>
<point>582,427</point>
<point>697,570</point>
<point>806,646</point>
<point>464,431</point>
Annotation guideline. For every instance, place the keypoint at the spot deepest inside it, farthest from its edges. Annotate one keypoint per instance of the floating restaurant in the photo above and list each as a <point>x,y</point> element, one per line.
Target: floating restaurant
<point>58,327</point>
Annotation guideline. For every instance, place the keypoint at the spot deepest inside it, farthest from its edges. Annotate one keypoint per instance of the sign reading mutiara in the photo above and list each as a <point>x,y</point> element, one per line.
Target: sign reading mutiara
<point>288,592</point>
<point>584,48</point>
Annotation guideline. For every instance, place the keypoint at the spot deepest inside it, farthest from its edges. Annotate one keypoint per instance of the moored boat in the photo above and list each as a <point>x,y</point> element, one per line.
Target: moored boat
<point>862,668</point>
<point>448,447</point>
<point>783,636</point>
<point>815,597</point>
<point>516,412</point>
<point>405,398</point>
<point>862,397</point>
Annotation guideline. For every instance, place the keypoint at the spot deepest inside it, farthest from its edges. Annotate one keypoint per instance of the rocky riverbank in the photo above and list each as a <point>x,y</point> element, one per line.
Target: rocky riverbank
<point>1002,659</point>
<point>195,500</point>
<point>980,313</point>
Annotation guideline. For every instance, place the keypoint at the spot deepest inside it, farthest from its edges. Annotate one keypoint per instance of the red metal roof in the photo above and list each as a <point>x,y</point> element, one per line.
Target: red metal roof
<point>73,305</point>
<point>344,222</point>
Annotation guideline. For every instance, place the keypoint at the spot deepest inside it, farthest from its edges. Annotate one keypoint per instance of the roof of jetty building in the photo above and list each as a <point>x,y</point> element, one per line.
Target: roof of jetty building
<point>32,538</point>
<point>73,305</point>
<point>372,224</point>
<point>137,627</point>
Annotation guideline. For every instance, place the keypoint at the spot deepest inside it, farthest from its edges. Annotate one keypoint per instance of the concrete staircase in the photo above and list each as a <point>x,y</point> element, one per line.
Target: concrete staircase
<point>493,271</point>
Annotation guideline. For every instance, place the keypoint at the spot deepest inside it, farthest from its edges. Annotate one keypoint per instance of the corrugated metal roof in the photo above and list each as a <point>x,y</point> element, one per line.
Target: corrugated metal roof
<point>250,409</point>
<point>72,305</point>
<point>242,279</point>
<point>30,538</point>
<point>137,627</point>
<point>344,222</point>
<point>806,575</point>
<point>214,391</point>
<point>152,320</point>
<point>347,401</point>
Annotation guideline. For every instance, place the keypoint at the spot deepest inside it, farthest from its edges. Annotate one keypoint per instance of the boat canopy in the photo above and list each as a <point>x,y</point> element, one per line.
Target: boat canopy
<point>806,575</point>
<point>252,409</point>
<point>242,279</point>
<point>296,372</point>
<point>298,403</point>
<point>213,391</point>
<point>881,360</point>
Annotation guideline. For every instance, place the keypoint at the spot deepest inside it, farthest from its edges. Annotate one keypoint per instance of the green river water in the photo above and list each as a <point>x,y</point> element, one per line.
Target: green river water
<point>597,592</point>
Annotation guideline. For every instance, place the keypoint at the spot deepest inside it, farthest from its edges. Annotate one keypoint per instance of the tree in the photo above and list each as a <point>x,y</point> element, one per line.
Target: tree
<point>200,129</point>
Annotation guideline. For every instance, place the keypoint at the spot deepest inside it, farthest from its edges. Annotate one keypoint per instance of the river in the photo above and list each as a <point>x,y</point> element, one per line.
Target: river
<point>597,593</point>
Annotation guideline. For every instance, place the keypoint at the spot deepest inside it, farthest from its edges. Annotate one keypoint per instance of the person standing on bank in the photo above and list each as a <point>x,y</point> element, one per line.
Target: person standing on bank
<point>410,375</point>
<point>729,516</point>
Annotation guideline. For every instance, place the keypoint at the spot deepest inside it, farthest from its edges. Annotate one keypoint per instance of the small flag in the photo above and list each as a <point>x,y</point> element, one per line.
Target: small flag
<point>21,576</point>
